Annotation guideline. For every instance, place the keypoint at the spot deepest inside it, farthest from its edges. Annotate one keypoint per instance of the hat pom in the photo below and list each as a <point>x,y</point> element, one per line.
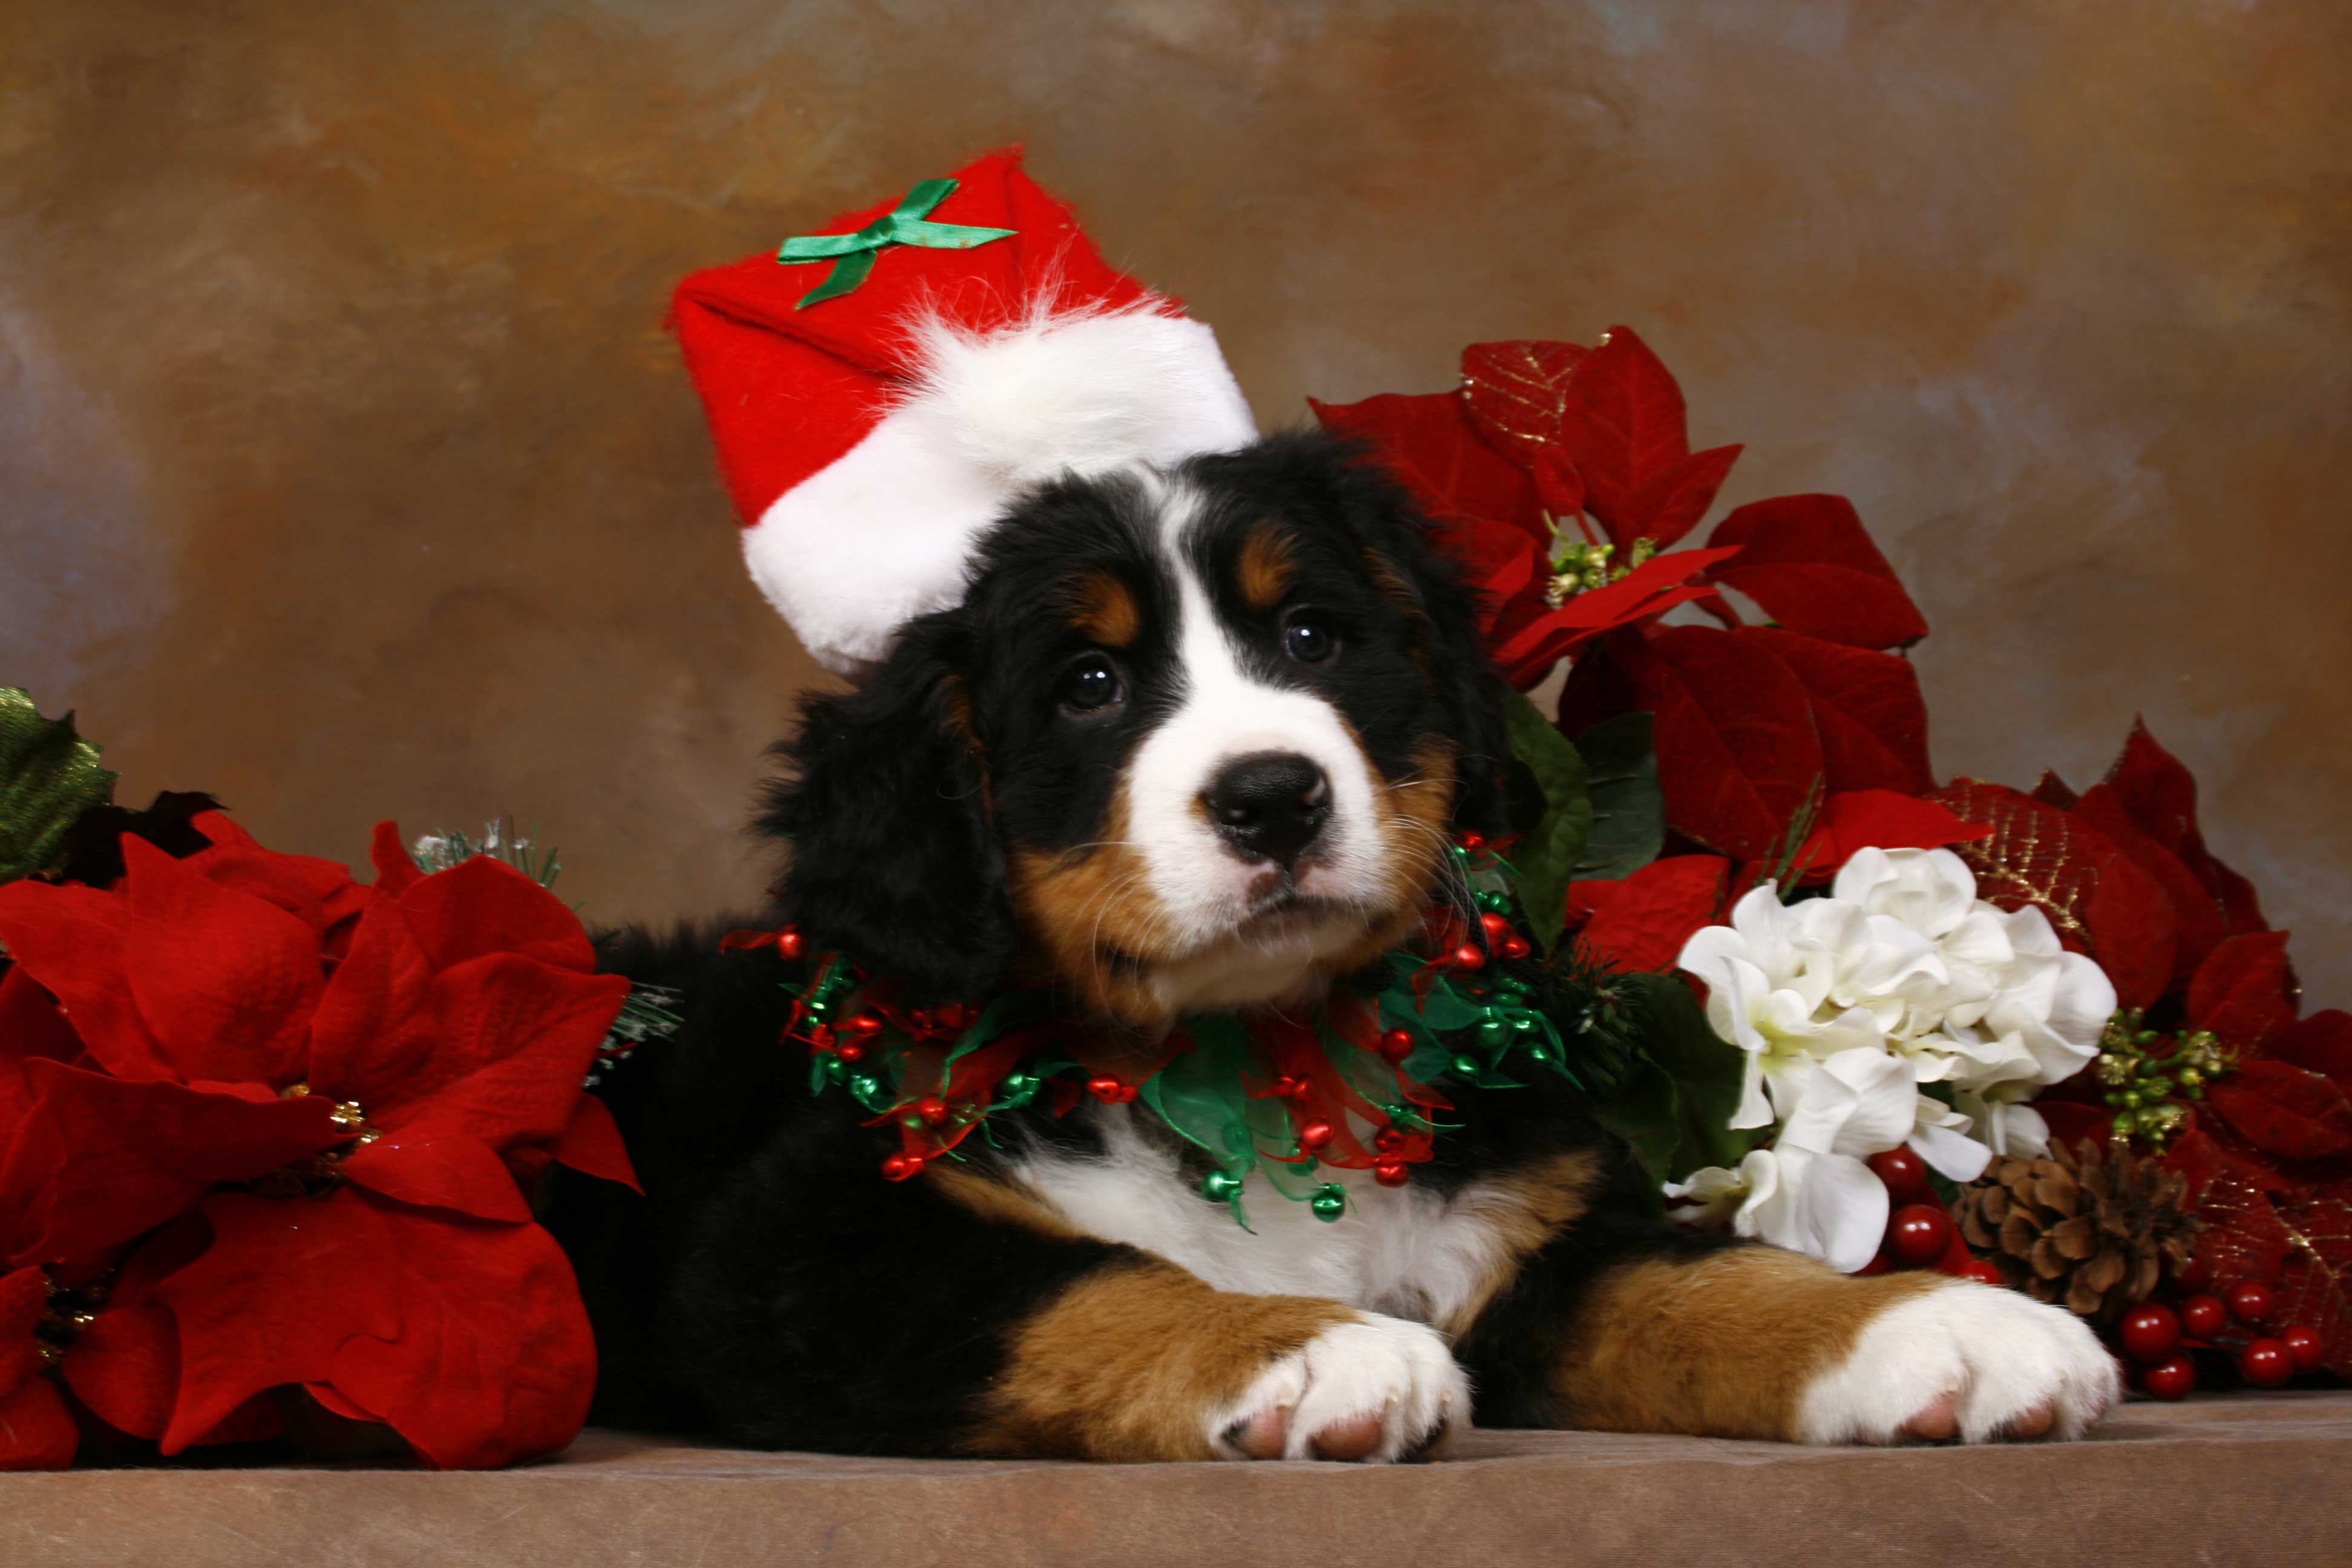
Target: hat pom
<point>1078,392</point>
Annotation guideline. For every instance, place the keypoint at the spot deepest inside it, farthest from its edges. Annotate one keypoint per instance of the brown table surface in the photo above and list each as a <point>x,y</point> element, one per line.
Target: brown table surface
<point>2225,1479</point>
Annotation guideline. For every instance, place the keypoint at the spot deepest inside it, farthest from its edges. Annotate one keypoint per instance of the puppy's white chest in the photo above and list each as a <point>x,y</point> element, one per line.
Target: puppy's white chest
<point>1408,1253</point>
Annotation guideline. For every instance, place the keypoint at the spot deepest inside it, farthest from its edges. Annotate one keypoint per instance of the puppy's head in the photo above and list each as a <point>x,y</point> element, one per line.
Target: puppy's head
<point>1195,737</point>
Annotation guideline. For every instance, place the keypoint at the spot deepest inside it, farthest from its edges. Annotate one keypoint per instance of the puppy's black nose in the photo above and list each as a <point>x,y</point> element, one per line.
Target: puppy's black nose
<point>1270,806</point>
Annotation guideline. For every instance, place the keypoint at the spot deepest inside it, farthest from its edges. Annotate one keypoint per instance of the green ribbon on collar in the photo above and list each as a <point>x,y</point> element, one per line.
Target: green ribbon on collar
<point>907,224</point>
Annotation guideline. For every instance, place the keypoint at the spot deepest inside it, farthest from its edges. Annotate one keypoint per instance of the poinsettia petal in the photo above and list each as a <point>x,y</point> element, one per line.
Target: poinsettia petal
<point>2160,795</point>
<point>126,1367</point>
<point>1514,391</point>
<point>395,873</point>
<point>2284,1110</point>
<point>1737,752</point>
<point>284,1284</point>
<point>432,1163</point>
<point>100,1159</point>
<point>302,884</point>
<point>1668,504</point>
<point>2320,1043</point>
<point>2244,992</point>
<point>36,1431</point>
<point>1857,819</point>
<point>73,940</point>
<point>494,1361</point>
<point>2197,918</point>
<point>224,981</point>
<point>1430,445</point>
<point>510,1040</point>
<point>24,1292</point>
<point>1533,646</point>
<point>1867,709</point>
<point>1813,566</point>
<point>1643,921</point>
<point>367,1034</point>
<point>592,1145</point>
<point>31,1029</point>
<point>1622,424</point>
<point>484,906</point>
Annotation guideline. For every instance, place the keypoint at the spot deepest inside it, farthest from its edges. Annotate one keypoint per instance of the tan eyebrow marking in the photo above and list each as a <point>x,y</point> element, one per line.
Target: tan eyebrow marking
<point>1104,610</point>
<point>1264,570</point>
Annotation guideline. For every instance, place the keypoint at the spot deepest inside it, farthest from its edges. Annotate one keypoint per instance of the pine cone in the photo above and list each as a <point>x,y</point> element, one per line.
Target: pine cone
<point>2092,1228</point>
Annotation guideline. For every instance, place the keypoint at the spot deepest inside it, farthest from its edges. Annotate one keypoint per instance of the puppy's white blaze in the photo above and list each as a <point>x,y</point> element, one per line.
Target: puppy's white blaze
<point>1206,889</point>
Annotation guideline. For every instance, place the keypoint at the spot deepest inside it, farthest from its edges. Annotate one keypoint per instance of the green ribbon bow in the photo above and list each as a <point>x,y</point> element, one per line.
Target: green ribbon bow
<point>907,224</point>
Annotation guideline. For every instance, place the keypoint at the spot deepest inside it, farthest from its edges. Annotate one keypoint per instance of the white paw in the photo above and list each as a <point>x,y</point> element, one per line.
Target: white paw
<point>1964,1360</point>
<point>1379,1389</point>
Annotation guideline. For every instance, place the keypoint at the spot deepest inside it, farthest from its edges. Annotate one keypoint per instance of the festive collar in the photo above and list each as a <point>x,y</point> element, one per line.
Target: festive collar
<point>1260,1089</point>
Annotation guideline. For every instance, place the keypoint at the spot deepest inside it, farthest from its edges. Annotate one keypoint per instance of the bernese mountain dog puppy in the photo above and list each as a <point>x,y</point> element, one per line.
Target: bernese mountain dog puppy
<point>1196,739</point>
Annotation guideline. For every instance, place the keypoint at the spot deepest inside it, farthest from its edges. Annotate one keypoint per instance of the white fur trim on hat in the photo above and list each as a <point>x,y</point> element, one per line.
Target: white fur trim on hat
<point>884,532</point>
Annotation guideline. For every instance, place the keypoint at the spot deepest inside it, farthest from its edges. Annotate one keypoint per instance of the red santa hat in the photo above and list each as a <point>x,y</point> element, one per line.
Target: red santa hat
<point>879,390</point>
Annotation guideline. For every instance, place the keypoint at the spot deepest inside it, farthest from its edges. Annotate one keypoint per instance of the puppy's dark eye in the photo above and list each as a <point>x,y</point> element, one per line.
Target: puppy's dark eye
<point>1091,684</point>
<point>1307,639</point>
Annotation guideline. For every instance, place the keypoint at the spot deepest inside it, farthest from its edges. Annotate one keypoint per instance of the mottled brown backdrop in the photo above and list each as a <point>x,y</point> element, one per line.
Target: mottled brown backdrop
<point>345,468</point>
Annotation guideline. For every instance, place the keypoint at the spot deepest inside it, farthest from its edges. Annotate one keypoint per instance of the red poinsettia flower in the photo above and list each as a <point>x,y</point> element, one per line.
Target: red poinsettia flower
<point>1544,439</point>
<point>316,1089</point>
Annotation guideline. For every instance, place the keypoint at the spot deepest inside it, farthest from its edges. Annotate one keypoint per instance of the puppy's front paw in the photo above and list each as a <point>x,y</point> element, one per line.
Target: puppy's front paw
<point>1378,1389</point>
<point>1967,1361</point>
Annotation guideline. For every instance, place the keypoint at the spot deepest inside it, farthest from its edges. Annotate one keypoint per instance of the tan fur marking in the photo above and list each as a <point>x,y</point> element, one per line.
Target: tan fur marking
<point>1104,611</point>
<point>1722,1347</point>
<point>1392,583</point>
<point>1411,816</point>
<point>1525,1210</point>
<point>1130,1364</point>
<point>1076,904</point>
<point>998,1201</point>
<point>1264,570</point>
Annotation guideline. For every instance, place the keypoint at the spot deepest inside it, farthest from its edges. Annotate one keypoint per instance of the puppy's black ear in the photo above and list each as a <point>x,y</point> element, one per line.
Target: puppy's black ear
<point>893,858</point>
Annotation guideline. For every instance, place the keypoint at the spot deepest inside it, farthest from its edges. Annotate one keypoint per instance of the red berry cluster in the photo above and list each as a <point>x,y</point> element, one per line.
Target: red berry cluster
<point>1919,1230</point>
<point>2156,1337</point>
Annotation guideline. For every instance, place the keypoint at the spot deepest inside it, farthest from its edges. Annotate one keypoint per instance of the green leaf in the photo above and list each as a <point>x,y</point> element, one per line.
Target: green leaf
<point>1546,854</point>
<point>1677,1109</point>
<point>49,777</point>
<point>1628,809</point>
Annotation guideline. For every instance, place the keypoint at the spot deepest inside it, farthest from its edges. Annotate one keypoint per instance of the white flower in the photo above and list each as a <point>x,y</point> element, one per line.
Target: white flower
<point>1844,1005</point>
<point>1930,890</point>
<point>1940,1137</point>
<point>1810,1191</point>
<point>1766,983</point>
<point>2008,1127</point>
